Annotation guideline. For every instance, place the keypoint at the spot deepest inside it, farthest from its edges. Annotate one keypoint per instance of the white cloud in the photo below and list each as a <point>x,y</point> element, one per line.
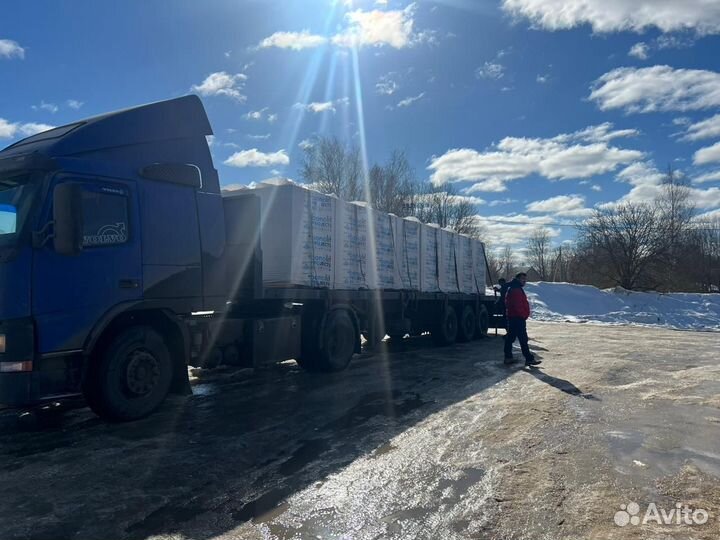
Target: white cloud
<point>258,137</point>
<point>596,187</point>
<point>710,154</point>
<point>318,107</point>
<point>669,41</point>
<point>7,129</point>
<point>542,79</point>
<point>256,158</point>
<point>515,229</point>
<point>255,115</point>
<point>306,144</point>
<point>562,205</point>
<point>50,107</point>
<point>74,103</point>
<point>702,16</point>
<point>493,185</point>
<point>410,100</point>
<point>11,49</point>
<point>222,83</point>
<point>490,70</point>
<point>646,181</point>
<point>706,198</point>
<point>707,177</point>
<point>643,49</point>
<point>639,50</point>
<point>387,85</point>
<point>293,40</point>
<point>262,114</point>
<point>498,202</point>
<point>323,106</point>
<point>374,28</point>
<point>581,154</point>
<point>704,129</point>
<point>10,130</point>
<point>657,88</point>
<point>379,27</point>
<point>32,128</point>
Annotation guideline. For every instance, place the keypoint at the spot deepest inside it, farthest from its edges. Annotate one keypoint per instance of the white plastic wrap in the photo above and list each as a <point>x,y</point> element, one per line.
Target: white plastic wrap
<point>297,229</point>
<point>315,240</point>
<point>351,246</point>
<point>450,263</point>
<point>408,253</point>
<point>479,268</point>
<point>466,264</point>
<point>430,268</point>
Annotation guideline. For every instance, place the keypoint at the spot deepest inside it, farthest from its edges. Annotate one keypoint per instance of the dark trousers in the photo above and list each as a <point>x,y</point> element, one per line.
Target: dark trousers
<point>517,328</point>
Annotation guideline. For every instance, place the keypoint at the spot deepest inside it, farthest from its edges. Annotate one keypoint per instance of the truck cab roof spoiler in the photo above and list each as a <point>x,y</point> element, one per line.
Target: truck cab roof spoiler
<point>179,118</point>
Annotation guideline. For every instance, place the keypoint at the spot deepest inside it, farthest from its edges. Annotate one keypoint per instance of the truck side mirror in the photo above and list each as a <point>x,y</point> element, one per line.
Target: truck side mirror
<point>67,215</point>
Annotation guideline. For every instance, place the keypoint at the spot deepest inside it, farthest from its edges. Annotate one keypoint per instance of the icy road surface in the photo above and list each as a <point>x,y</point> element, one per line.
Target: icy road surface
<point>417,442</point>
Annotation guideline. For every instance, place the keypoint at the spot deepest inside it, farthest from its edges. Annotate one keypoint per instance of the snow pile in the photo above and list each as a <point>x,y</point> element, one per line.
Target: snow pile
<point>583,303</point>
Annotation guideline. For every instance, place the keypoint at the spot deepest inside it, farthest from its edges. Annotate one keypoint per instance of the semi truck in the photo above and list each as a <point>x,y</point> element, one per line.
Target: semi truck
<point>121,265</point>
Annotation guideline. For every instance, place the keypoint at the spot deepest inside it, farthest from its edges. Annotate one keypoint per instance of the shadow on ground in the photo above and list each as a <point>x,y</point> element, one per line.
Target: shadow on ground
<point>233,451</point>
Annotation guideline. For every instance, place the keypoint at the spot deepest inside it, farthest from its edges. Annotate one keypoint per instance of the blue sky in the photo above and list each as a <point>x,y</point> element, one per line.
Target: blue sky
<point>538,110</point>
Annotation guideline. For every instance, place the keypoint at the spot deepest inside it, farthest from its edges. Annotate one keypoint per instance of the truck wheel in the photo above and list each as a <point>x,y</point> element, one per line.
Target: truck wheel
<point>446,331</point>
<point>466,329</point>
<point>483,322</point>
<point>131,377</point>
<point>337,344</point>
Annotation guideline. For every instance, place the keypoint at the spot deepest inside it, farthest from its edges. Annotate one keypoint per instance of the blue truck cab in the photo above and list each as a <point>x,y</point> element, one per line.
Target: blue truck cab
<point>111,229</point>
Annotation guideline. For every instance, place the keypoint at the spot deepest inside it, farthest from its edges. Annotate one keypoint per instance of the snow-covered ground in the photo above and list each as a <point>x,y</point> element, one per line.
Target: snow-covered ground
<point>583,303</point>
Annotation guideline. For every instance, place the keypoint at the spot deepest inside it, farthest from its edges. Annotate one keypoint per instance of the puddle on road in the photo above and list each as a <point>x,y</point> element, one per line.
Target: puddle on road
<point>662,437</point>
<point>204,389</point>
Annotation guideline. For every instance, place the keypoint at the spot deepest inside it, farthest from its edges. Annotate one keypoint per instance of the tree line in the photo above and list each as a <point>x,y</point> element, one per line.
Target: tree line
<point>658,245</point>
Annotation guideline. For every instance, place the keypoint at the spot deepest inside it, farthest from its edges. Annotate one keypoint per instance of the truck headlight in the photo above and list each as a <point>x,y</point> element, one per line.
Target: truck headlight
<point>2,343</point>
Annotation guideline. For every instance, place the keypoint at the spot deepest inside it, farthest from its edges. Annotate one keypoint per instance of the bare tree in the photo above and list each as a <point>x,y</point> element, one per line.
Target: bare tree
<point>702,253</point>
<point>443,205</point>
<point>493,261</point>
<point>331,167</point>
<point>677,211</point>
<point>393,187</point>
<point>623,242</point>
<point>539,252</point>
<point>507,263</point>
<point>562,262</point>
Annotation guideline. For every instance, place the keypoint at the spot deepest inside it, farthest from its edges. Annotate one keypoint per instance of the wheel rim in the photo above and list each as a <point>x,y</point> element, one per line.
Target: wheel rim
<point>142,373</point>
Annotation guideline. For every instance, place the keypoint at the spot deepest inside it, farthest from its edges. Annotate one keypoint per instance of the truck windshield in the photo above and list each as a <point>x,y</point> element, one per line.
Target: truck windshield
<point>14,205</point>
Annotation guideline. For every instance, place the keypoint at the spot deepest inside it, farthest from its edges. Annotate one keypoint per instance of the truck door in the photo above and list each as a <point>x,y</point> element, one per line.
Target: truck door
<point>71,293</point>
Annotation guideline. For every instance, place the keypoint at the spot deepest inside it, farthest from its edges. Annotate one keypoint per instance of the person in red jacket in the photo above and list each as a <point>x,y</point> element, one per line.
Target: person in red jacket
<point>518,311</point>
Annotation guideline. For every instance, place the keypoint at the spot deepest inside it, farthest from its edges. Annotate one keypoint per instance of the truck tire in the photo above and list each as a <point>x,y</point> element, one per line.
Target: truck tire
<point>467,326</point>
<point>337,344</point>
<point>483,322</point>
<point>446,330</point>
<point>131,377</point>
